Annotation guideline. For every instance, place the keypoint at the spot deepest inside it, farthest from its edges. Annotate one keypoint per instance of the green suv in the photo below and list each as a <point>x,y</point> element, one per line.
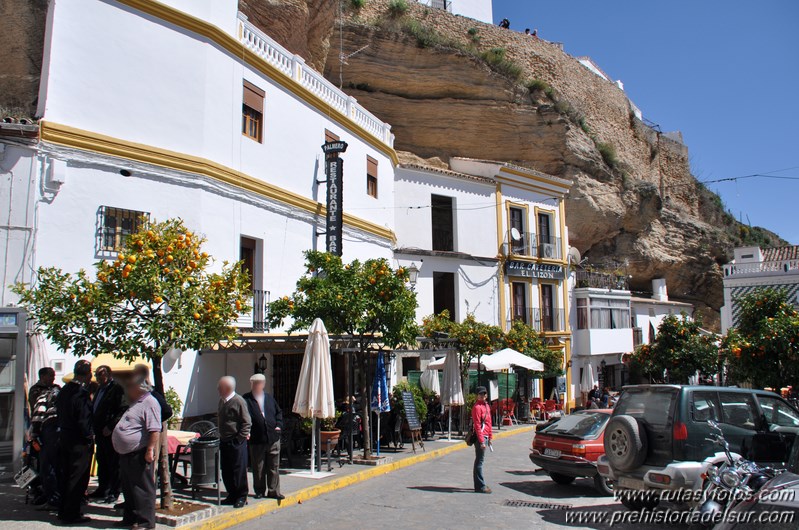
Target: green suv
<point>656,438</point>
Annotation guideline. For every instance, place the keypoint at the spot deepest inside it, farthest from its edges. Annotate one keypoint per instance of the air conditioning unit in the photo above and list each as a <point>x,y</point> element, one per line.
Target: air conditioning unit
<point>547,250</point>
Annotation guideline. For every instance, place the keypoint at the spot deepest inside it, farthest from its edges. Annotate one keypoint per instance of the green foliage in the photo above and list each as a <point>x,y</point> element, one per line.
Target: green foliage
<point>584,125</point>
<point>679,351</point>
<point>537,85</point>
<point>359,298</point>
<point>471,399</point>
<point>171,396</point>
<point>524,339</point>
<point>764,347</point>
<point>418,398</point>
<point>397,8</point>
<point>357,4</point>
<point>329,424</point>
<point>472,32</point>
<point>474,35</point>
<point>496,59</point>
<point>124,309</point>
<point>426,37</point>
<point>608,153</point>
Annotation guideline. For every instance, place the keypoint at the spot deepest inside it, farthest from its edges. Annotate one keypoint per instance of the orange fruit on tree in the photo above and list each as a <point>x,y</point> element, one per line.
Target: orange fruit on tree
<point>131,259</point>
<point>196,316</point>
<point>158,299</point>
<point>125,274</point>
<point>170,259</point>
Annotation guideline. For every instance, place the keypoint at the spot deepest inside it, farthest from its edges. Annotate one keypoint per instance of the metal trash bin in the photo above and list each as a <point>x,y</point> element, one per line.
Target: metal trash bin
<point>205,464</point>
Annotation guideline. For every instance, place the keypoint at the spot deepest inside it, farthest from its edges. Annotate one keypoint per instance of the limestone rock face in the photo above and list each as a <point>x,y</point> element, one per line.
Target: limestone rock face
<point>22,41</point>
<point>641,211</point>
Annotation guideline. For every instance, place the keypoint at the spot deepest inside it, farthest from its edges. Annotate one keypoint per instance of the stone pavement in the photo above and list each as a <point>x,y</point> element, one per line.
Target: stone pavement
<point>13,509</point>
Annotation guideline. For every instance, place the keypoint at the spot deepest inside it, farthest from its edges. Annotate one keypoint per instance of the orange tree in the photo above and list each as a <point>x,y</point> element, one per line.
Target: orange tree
<point>763,349</point>
<point>157,293</point>
<point>678,352</point>
<point>367,300</point>
<point>525,339</point>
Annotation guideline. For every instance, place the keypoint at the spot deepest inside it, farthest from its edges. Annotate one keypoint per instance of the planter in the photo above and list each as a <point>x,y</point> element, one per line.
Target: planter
<point>332,436</point>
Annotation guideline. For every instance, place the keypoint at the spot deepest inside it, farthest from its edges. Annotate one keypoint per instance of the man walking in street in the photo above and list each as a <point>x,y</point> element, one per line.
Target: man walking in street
<point>44,432</point>
<point>135,438</point>
<point>264,443</point>
<point>75,442</point>
<point>107,408</point>
<point>234,430</point>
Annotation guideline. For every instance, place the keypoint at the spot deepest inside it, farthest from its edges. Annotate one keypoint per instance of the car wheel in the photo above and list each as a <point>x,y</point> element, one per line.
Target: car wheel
<point>638,500</point>
<point>625,443</point>
<point>603,485</point>
<point>561,479</point>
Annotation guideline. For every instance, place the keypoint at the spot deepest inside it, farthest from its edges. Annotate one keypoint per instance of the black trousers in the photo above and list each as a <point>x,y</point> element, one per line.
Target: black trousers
<point>138,487</point>
<point>49,464</point>
<point>75,458</point>
<point>233,459</point>
<point>107,466</point>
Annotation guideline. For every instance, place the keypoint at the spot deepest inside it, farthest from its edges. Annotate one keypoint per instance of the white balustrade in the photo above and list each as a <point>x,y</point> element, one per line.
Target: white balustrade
<point>294,67</point>
<point>740,269</point>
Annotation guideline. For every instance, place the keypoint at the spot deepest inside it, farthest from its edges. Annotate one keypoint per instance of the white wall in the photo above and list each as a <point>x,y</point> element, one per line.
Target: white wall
<point>641,311</point>
<point>477,9</point>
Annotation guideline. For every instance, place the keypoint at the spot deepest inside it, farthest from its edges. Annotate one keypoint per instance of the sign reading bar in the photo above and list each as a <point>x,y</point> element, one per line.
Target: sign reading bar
<point>534,270</point>
<point>334,169</point>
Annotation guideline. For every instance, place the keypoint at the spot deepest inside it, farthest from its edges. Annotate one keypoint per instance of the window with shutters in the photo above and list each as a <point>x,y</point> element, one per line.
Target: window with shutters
<point>371,177</point>
<point>252,112</point>
<point>115,225</point>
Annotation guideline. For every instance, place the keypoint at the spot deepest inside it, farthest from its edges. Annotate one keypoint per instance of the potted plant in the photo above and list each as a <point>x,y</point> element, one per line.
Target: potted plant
<point>329,430</point>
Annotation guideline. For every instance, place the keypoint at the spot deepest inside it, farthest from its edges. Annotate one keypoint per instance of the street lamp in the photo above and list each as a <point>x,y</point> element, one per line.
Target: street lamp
<point>260,366</point>
<point>413,274</point>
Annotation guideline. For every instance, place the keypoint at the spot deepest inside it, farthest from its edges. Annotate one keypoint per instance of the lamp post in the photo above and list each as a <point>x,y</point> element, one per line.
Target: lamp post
<point>260,365</point>
<point>413,275</point>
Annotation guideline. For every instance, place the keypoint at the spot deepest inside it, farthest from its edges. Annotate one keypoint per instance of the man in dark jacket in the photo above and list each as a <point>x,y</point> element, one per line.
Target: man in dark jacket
<point>234,430</point>
<point>267,422</point>
<point>107,408</point>
<point>44,430</point>
<point>75,442</point>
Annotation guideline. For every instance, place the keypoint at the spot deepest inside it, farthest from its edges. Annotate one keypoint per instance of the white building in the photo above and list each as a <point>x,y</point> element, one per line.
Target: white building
<point>481,10</point>
<point>182,108</point>
<point>608,322</point>
<point>754,268</point>
<point>489,238</point>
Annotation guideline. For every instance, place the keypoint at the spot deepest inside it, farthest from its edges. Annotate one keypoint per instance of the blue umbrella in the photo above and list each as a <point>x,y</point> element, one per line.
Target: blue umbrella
<point>380,399</point>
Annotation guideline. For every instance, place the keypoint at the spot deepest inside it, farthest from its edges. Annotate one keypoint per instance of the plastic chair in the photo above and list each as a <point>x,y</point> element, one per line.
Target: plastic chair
<point>509,411</point>
<point>536,407</point>
<point>549,407</point>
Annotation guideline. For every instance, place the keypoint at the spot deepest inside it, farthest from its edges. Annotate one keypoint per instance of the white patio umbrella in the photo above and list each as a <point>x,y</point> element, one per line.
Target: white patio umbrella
<point>314,396</point>
<point>37,356</point>
<point>429,381</point>
<point>504,359</point>
<point>587,382</point>
<point>451,389</point>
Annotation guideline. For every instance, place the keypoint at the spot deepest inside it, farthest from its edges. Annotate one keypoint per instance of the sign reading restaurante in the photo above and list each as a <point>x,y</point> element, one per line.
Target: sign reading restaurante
<point>334,168</point>
<point>534,270</point>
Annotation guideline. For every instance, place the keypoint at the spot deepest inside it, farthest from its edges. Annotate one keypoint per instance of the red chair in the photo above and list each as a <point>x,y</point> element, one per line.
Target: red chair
<point>549,407</point>
<point>508,407</point>
<point>536,407</point>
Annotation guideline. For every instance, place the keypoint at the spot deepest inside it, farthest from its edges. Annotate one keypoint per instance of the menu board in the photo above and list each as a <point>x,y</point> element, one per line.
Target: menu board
<point>411,415</point>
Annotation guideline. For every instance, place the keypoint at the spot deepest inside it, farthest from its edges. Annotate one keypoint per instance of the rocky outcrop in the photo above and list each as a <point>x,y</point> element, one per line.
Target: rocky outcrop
<point>452,86</point>
<point>22,41</point>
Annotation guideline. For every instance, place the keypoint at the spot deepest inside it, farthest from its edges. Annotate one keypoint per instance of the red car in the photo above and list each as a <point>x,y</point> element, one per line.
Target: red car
<point>569,448</point>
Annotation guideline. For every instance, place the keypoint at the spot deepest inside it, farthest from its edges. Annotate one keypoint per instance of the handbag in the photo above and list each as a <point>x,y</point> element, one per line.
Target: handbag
<point>471,436</point>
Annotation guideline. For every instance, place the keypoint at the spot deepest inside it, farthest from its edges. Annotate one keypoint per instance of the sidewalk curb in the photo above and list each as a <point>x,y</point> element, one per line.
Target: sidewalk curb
<point>248,513</point>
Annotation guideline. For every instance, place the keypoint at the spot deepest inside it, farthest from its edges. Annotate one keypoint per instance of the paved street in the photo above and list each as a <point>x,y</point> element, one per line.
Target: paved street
<point>438,494</point>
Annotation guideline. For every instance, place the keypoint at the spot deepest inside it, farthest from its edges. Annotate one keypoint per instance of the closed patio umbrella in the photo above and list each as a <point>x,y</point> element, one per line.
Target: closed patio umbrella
<point>37,356</point>
<point>587,382</point>
<point>452,388</point>
<point>429,381</point>
<point>380,399</point>
<point>314,396</point>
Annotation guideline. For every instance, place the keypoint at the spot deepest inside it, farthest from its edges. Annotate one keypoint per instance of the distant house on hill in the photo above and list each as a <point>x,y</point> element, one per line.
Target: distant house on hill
<point>481,10</point>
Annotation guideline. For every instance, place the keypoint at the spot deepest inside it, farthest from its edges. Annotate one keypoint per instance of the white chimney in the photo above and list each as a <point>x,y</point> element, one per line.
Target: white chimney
<point>659,291</point>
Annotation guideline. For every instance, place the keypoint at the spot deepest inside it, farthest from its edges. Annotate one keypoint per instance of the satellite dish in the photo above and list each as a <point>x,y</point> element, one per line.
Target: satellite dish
<point>171,357</point>
<point>574,256</point>
<point>515,234</point>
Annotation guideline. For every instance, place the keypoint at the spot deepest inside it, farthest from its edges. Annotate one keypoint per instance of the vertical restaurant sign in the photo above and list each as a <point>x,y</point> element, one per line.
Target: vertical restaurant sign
<point>334,170</point>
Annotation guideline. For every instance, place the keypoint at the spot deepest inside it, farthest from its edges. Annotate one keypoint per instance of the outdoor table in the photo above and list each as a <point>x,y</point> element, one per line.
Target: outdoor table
<point>177,446</point>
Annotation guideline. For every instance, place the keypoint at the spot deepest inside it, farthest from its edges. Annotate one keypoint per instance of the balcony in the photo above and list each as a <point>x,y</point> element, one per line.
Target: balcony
<point>541,320</point>
<point>294,67</point>
<point>530,245</point>
<point>638,337</point>
<point>762,268</point>
<point>602,280</point>
<point>255,321</point>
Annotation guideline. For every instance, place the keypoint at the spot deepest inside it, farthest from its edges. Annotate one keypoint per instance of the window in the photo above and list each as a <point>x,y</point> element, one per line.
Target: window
<point>116,225</point>
<point>738,409</point>
<point>519,300</point>
<point>705,407</point>
<point>582,313</point>
<point>778,413</point>
<point>252,112</point>
<point>371,177</point>
<point>444,293</point>
<point>517,235</point>
<point>610,314</point>
<point>443,223</point>
<point>544,228</point>
<point>548,320</point>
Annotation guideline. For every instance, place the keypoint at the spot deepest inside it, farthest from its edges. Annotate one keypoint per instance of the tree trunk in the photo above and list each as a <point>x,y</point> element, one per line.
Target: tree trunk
<point>365,405</point>
<point>163,474</point>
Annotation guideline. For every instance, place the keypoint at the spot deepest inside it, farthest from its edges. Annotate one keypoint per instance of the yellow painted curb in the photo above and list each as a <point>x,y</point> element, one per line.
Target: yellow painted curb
<point>248,513</point>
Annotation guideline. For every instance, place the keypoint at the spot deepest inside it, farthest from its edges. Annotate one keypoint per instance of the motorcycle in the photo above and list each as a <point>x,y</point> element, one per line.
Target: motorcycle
<point>729,484</point>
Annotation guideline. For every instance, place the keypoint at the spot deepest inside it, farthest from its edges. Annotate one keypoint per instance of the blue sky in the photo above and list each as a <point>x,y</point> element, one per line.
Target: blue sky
<point>724,72</point>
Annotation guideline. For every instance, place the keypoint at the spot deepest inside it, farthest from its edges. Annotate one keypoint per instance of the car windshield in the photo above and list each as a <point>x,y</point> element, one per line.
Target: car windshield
<point>579,424</point>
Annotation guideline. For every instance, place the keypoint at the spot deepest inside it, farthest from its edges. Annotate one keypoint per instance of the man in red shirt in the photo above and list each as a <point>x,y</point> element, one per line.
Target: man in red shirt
<point>481,418</point>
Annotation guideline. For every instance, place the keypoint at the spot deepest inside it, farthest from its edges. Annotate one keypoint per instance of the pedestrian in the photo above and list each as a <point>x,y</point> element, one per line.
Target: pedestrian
<point>76,443</point>
<point>593,394</point>
<point>234,430</point>
<point>481,419</point>
<point>44,434</point>
<point>264,442</point>
<point>535,33</point>
<point>504,23</point>
<point>605,397</point>
<point>135,438</point>
<point>526,31</point>
<point>107,409</point>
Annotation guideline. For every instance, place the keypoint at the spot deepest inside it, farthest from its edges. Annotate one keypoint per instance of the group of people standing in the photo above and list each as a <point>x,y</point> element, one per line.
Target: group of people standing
<point>117,421</point>
<point>249,426</point>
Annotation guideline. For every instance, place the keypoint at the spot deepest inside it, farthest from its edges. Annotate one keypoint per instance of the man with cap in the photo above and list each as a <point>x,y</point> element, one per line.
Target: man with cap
<point>481,420</point>
<point>76,442</point>
<point>264,443</point>
<point>234,430</point>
